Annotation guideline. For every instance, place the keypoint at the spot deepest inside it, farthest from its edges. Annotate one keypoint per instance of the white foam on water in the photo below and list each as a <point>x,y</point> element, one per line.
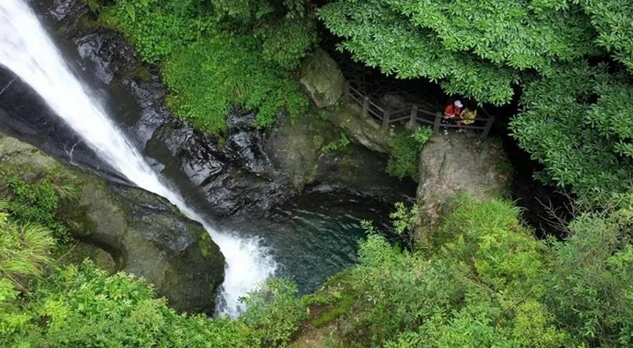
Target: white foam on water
<point>27,50</point>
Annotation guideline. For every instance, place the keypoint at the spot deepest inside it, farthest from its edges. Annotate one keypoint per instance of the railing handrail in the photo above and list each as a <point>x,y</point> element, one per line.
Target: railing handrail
<point>414,110</point>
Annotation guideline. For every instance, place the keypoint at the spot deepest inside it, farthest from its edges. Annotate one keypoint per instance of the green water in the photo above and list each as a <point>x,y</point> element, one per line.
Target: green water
<point>315,237</point>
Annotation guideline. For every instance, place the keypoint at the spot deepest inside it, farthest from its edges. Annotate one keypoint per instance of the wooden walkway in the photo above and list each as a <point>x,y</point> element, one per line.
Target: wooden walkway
<point>413,114</point>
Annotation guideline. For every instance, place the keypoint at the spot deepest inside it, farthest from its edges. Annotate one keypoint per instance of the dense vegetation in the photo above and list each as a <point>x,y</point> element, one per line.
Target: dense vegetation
<point>215,55</point>
<point>567,63</point>
<point>570,62</point>
<point>481,280</point>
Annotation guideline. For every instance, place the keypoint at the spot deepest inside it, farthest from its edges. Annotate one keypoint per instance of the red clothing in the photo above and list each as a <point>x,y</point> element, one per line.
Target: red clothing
<point>452,110</point>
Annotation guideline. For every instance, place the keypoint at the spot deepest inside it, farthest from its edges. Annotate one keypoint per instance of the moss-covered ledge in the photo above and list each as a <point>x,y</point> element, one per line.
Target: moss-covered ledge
<point>145,235</point>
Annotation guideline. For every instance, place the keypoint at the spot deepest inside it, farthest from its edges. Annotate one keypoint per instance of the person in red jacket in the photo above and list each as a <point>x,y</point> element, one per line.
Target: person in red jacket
<point>450,112</point>
<point>453,110</point>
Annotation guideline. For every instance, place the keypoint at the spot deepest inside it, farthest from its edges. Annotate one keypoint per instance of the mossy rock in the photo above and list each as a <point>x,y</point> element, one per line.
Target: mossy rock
<point>144,234</point>
<point>322,79</point>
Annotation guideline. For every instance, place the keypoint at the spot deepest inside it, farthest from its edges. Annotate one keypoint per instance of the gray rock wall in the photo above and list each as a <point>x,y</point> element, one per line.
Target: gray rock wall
<point>458,164</point>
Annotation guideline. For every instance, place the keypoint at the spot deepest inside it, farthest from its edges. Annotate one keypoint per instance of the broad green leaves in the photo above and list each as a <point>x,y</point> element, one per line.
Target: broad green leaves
<point>579,123</point>
<point>213,74</point>
<point>613,19</point>
<point>575,117</point>
<point>481,286</point>
<point>379,36</point>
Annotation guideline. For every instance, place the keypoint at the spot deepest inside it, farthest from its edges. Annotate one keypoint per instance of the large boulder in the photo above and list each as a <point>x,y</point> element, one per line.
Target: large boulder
<point>458,164</point>
<point>145,234</point>
<point>322,79</point>
<point>233,172</point>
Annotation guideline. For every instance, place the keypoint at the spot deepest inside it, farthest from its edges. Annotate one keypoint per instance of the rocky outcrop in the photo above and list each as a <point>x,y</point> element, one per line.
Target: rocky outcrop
<point>233,172</point>
<point>455,164</point>
<point>350,169</point>
<point>145,234</point>
<point>364,130</point>
<point>322,79</point>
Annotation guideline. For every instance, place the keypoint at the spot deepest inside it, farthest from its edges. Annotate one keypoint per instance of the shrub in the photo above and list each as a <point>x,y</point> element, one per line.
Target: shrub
<point>211,75</point>
<point>274,312</point>
<point>213,59</point>
<point>85,307</point>
<point>336,145</point>
<point>405,149</point>
<point>37,203</point>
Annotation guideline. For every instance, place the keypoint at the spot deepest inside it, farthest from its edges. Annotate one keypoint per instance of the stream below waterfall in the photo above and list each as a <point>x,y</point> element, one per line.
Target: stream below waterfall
<point>307,240</point>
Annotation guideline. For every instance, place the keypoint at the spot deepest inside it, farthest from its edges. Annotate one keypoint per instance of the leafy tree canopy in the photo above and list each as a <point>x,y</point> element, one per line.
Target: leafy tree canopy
<point>571,60</point>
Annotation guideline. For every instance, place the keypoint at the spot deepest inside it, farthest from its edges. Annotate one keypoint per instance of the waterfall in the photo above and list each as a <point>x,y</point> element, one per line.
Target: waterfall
<point>26,49</point>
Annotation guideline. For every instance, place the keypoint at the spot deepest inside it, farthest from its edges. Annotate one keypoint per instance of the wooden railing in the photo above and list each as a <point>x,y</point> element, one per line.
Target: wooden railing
<point>414,113</point>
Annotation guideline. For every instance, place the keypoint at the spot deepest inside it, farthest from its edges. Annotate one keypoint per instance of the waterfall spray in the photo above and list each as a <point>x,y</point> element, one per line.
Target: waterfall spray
<point>26,49</point>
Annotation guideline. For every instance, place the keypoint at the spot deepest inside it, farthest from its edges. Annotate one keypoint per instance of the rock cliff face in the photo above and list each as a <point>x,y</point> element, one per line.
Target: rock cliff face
<point>144,234</point>
<point>455,164</point>
<point>240,172</point>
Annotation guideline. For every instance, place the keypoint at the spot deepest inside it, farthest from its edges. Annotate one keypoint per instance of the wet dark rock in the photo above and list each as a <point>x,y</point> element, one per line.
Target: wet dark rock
<point>64,10</point>
<point>234,172</point>
<point>24,114</point>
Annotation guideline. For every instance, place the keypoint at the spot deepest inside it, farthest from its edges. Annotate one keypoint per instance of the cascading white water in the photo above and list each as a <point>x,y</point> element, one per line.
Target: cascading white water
<point>26,49</point>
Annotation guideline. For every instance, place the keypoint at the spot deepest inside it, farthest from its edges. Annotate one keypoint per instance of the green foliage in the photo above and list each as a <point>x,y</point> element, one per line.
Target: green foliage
<point>591,280</point>
<point>334,300</point>
<point>284,42</point>
<point>379,34</point>
<point>155,27</point>
<point>612,20</point>
<point>404,219</point>
<point>83,306</point>
<point>221,54</point>
<point>274,312</point>
<point>405,150</point>
<point>578,124</point>
<point>572,60</point>
<point>24,251</point>
<point>336,145</point>
<point>482,286</point>
<point>422,135</point>
<point>213,74</point>
<point>36,203</point>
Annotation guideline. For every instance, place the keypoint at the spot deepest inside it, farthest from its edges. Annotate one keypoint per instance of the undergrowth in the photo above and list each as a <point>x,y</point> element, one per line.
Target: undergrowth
<point>405,150</point>
<point>36,203</point>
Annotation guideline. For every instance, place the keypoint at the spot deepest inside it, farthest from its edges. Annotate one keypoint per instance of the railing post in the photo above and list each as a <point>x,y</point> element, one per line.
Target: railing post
<point>436,124</point>
<point>346,91</point>
<point>385,120</point>
<point>414,114</point>
<point>365,106</point>
<point>491,120</point>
